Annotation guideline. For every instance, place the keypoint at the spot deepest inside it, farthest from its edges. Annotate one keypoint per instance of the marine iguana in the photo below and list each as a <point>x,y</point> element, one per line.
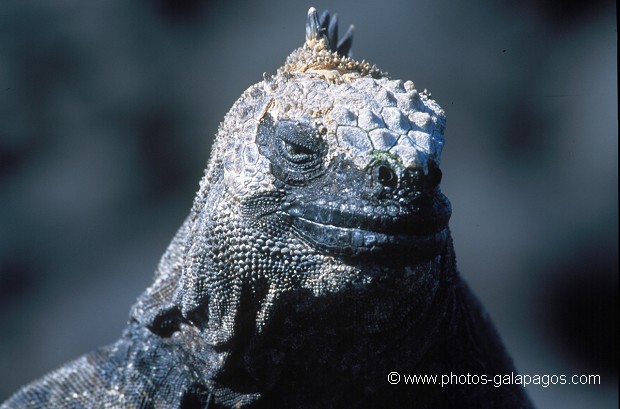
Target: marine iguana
<point>316,261</point>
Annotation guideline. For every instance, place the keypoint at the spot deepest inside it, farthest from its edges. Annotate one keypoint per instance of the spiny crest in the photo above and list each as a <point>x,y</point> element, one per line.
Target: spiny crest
<point>326,27</point>
<point>323,52</point>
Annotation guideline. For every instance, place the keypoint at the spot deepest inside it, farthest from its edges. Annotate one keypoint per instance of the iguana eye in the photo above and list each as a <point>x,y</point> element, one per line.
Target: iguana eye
<point>298,154</point>
<point>300,143</point>
<point>295,148</point>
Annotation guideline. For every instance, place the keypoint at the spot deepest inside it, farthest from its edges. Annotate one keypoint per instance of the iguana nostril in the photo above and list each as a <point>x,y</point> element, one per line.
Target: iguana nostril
<point>385,175</point>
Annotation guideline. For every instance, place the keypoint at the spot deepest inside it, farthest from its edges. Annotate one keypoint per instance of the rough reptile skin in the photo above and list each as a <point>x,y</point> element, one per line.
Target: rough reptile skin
<point>316,260</point>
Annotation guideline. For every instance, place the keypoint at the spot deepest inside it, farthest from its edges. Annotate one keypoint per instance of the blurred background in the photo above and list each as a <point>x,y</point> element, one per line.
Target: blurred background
<point>108,109</point>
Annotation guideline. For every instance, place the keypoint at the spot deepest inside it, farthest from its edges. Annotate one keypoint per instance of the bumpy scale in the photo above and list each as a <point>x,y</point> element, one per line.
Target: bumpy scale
<point>316,260</point>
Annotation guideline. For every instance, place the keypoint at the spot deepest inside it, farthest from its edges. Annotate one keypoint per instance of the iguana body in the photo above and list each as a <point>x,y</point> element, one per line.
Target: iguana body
<point>315,261</point>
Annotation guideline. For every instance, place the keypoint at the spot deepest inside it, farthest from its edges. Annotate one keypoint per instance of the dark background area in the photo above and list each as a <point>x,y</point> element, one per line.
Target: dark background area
<point>108,110</point>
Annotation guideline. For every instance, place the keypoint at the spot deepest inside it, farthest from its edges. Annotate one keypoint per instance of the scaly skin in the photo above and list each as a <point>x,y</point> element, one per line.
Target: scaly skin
<point>316,260</point>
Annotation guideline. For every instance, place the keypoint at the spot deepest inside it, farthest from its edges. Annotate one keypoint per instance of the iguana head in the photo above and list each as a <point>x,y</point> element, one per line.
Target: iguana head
<point>351,155</point>
<point>324,178</point>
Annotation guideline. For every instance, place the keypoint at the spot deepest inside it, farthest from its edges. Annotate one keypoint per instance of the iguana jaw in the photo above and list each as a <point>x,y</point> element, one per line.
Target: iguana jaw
<point>346,241</point>
<point>348,227</point>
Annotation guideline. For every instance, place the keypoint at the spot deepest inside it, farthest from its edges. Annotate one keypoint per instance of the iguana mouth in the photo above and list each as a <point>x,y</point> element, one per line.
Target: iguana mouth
<point>352,228</point>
